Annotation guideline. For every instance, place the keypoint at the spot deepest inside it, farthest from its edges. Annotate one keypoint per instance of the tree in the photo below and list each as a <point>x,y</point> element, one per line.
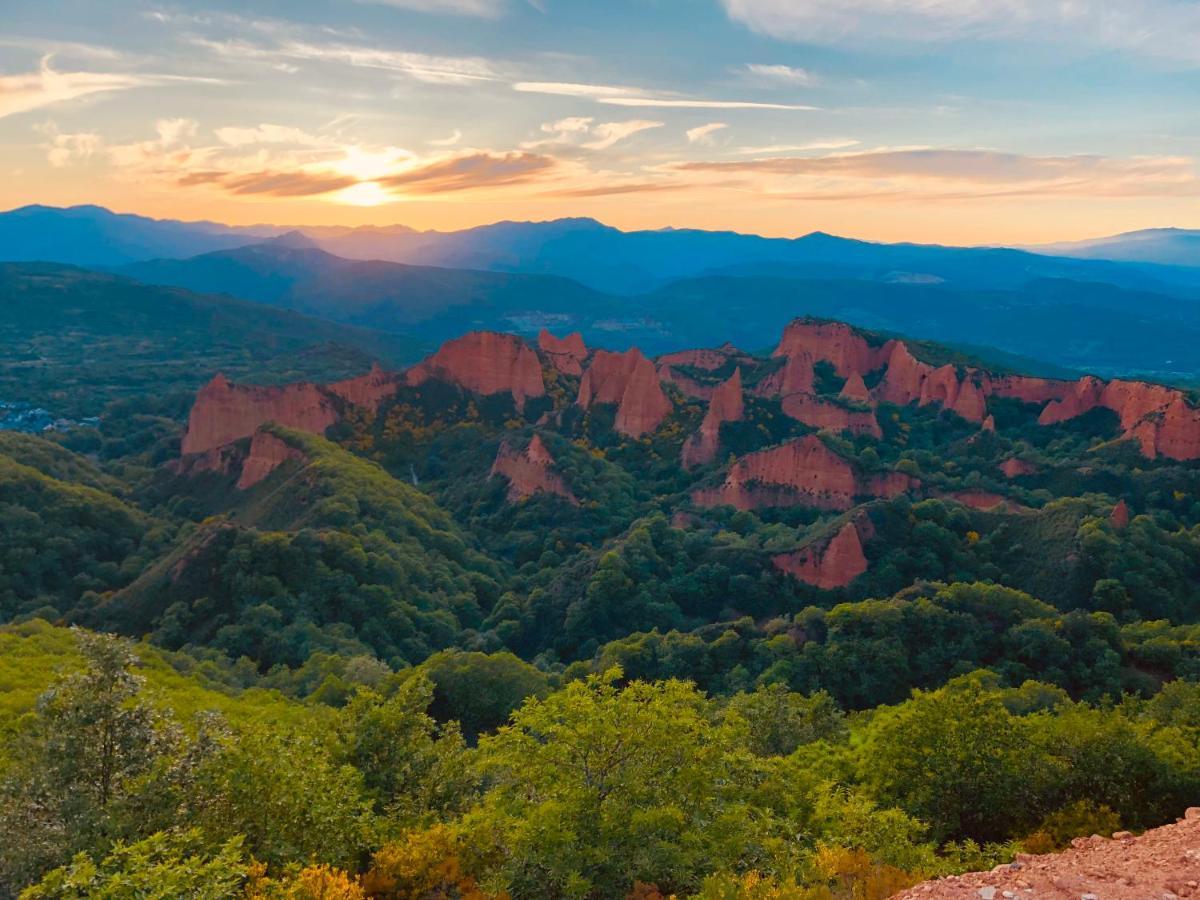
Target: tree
<point>597,787</point>
<point>164,866</point>
<point>954,758</point>
<point>82,764</point>
<point>780,720</point>
<point>412,767</point>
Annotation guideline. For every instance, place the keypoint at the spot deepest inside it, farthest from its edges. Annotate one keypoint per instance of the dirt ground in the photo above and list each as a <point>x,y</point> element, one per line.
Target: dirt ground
<point>1162,864</point>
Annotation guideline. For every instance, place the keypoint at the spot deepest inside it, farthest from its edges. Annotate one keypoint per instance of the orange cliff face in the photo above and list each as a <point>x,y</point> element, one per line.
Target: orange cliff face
<point>267,453</point>
<point>530,472</point>
<point>565,354</point>
<point>671,365</point>
<point>484,362</point>
<point>727,405</point>
<point>369,390</point>
<point>803,472</point>
<point>835,564</point>
<point>818,413</point>
<point>225,412</point>
<point>629,380</point>
<point>836,342</point>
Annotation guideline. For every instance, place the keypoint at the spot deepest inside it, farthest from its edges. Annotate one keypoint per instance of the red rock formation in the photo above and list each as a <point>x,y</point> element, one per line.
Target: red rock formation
<point>1028,389</point>
<point>629,380</point>
<point>484,362</point>
<point>1119,517</point>
<point>812,410</point>
<point>803,472</point>
<point>369,390</point>
<point>833,565</point>
<point>706,360</point>
<point>727,405</point>
<point>1082,397</point>
<point>530,471</point>
<point>671,364</point>
<point>795,377</point>
<point>267,453</point>
<point>855,389</point>
<point>989,425</point>
<point>978,499</point>
<point>1015,468</point>
<point>566,354</point>
<point>904,378</point>
<point>841,344</point>
<point>225,412</point>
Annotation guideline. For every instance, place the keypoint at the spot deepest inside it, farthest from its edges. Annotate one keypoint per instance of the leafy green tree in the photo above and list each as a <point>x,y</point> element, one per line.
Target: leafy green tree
<point>955,758</point>
<point>91,757</point>
<point>163,866</point>
<point>413,768</point>
<point>597,787</point>
<point>481,690</point>
<point>780,720</point>
<point>286,794</point>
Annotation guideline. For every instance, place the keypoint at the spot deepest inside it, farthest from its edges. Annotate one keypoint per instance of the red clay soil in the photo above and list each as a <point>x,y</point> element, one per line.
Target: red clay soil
<point>1162,864</point>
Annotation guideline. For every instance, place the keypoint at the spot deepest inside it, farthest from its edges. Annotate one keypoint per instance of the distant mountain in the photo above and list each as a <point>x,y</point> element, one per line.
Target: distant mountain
<point>74,340</point>
<point>622,262</point>
<point>603,258</point>
<point>94,236</point>
<point>432,302</point>
<point>1163,246</point>
<point>1061,323</point>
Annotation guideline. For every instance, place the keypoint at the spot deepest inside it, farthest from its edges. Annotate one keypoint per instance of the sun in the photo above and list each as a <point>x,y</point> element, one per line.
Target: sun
<point>365,193</point>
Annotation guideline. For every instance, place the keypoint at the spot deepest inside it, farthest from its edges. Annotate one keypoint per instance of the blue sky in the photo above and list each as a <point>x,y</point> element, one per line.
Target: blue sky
<point>959,121</point>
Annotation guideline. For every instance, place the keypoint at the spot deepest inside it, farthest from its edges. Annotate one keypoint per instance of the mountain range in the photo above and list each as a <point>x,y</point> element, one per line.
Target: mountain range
<point>662,290</point>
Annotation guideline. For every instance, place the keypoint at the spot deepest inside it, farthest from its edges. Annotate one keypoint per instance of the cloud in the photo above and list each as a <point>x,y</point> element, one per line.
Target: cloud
<point>779,75</point>
<point>487,9</point>
<point>629,187</point>
<point>448,141</point>
<point>635,97</point>
<point>702,134</point>
<point>267,134</point>
<point>425,67</point>
<point>583,131</point>
<point>952,174</point>
<point>470,171</point>
<point>67,149</point>
<point>271,184</point>
<point>828,144</point>
<point>1169,28</point>
<point>22,93</point>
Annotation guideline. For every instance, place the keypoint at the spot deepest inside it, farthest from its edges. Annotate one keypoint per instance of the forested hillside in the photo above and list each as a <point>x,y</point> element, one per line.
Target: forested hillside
<point>544,620</point>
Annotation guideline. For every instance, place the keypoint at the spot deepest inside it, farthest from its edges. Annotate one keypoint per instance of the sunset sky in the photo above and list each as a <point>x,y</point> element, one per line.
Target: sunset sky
<point>956,121</point>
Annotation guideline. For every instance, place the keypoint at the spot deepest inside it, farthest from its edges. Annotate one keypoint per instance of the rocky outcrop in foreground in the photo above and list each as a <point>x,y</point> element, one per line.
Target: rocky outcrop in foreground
<point>1162,864</point>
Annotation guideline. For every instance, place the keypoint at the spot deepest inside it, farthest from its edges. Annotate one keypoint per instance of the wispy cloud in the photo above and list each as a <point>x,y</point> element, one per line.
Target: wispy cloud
<point>771,149</point>
<point>1163,28</point>
<point>778,75</point>
<point>429,68</point>
<point>270,183</point>
<point>470,171</point>
<point>488,9</point>
<point>46,87</point>
<point>584,131</point>
<point>448,141</point>
<point>952,174</point>
<point>639,97</point>
<point>702,134</point>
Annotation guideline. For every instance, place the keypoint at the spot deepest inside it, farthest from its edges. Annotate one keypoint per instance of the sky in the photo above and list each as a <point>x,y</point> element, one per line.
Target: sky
<point>949,121</point>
